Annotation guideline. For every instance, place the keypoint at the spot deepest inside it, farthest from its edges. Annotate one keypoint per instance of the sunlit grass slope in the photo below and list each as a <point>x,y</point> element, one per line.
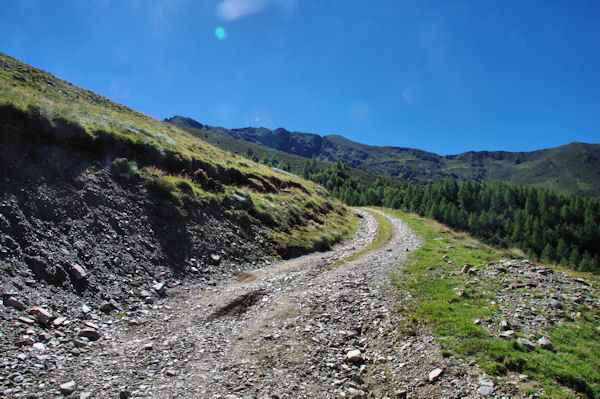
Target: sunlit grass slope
<point>429,284</point>
<point>173,163</point>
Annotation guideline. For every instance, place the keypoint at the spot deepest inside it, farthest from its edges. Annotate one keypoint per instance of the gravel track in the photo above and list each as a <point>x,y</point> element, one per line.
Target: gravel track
<point>281,331</point>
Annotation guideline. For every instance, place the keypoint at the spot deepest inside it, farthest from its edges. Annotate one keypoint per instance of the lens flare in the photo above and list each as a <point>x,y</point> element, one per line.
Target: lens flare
<point>221,33</point>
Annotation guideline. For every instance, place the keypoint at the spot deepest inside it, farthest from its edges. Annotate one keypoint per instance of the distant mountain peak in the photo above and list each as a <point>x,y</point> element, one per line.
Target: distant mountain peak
<point>184,121</point>
<point>574,168</point>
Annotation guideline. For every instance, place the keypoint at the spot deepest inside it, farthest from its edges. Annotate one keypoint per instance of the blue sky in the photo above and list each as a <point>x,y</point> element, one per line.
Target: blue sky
<point>443,76</point>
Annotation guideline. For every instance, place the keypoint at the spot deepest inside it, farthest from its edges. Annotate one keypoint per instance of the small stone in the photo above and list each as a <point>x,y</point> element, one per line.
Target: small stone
<point>485,390</point>
<point>90,334</point>
<point>91,325</point>
<point>401,394</point>
<point>25,340</point>
<point>42,316</point>
<point>26,320</point>
<point>160,289</point>
<point>465,268</point>
<point>59,321</point>
<point>510,334</point>
<point>148,347</point>
<point>527,344</point>
<point>105,306</point>
<point>435,374</point>
<point>16,378</point>
<point>38,346</point>
<point>115,304</point>
<point>486,381</point>
<point>78,272</point>
<point>68,387</point>
<point>556,304</point>
<point>13,302</point>
<point>171,373</point>
<point>504,325</point>
<point>85,309</point>
<point>44,336</point>
<point>81,342</point>
<point>124,394</point>
<point>545,343</point>
<point>477,322</point>
<point>354,356</point>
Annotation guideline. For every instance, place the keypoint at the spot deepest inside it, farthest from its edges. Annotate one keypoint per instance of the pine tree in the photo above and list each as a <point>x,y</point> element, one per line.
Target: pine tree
<point>548,254</point>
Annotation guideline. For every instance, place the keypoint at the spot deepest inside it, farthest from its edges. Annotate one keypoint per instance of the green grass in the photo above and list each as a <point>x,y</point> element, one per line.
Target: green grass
<point>384,234</point>
<point>428,287</point>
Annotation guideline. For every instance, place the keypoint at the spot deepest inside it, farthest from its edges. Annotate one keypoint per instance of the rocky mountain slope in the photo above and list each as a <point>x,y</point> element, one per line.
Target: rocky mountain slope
<point>573,168</point>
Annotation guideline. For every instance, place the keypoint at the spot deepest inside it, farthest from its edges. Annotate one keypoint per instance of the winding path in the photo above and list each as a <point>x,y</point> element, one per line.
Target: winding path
<point>283,331</point>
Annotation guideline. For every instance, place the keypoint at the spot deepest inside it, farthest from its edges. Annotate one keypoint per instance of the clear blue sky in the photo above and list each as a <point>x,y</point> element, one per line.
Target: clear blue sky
<point>443,76</point>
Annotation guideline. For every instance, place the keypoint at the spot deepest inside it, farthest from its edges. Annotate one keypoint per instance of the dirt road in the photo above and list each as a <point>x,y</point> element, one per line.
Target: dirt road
<point>291,329</point>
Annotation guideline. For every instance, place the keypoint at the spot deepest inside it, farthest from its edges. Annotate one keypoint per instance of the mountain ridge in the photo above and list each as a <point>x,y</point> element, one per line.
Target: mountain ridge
<point>570,168</point>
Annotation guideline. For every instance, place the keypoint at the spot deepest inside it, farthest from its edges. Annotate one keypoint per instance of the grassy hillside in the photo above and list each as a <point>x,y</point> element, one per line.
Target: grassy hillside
<point>174,164</point>
<point>294,163</point>
<point>572,168</point>
<point>465,309</point>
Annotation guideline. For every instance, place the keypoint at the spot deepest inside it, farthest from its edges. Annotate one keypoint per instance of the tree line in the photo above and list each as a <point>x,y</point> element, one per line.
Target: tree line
<point>547,226</point>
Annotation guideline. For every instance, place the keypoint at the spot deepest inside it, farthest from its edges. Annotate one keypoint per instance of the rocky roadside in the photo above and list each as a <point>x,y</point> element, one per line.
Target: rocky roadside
<point>77,256</point>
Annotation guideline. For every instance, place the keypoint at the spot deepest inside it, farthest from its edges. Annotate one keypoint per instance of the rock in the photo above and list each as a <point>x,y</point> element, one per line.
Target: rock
<point>59,321</point>
<point>435,374</point>
<point>115,304</point>
<point>42,316</point>
<point>504,325</point>
<point>402,394</point>
<point>24,340</point>
<point>465,268</point>
<point>509,334</point>
<point>38,346</point>
<point>517,285</point>
<point>85,309</point>
<point>90,334</point>
<point>68,387</point>
<point>81,342</point>
<point>26,320</point>
<point>124,394</point>
<point>485,390</point>
<point>486,381</point>
<point>545,343</point>
<point>527,344</point>
<point>105,306</point>
<point>556,304</point>
<point>160,289</point>
<point>16,378</point>
<point>13,302</point>
<point>477,322</point>
<point>78,272</point>
<point>354,356</point>
<point>354,393</point>
<point>44,336</point>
